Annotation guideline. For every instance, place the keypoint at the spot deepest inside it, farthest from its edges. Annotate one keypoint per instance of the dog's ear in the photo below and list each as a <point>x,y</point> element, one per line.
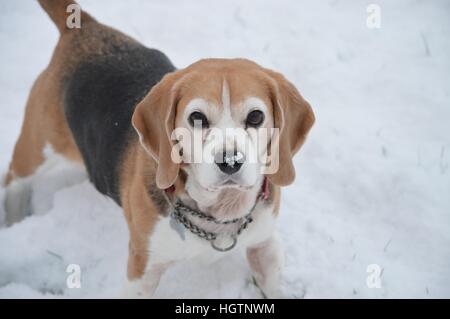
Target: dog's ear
<point>294,117</point>
<point>154,121</point>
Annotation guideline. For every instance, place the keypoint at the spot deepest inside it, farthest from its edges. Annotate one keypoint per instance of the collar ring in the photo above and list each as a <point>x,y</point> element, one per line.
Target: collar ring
<point>213,244</point>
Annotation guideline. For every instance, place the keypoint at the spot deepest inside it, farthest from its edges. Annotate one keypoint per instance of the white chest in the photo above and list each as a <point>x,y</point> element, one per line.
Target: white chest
<point>166,245</point>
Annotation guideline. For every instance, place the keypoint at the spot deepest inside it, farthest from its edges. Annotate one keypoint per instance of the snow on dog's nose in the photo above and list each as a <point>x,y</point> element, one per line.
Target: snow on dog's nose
<point>229,162</point>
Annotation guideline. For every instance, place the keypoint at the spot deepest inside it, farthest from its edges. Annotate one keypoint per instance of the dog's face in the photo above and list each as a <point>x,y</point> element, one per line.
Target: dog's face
<point>223,121</point>
<point>218,119</point>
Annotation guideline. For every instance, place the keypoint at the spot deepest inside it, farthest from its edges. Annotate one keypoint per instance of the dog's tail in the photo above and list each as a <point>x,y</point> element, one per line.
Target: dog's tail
<point>59,11</point>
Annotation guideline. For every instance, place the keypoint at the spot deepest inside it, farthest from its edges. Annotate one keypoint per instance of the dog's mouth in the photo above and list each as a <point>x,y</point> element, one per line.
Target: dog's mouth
<point>227,184</point>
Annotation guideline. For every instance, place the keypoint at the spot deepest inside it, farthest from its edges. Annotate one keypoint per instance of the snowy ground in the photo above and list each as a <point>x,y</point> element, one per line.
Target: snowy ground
<point>373,180</point>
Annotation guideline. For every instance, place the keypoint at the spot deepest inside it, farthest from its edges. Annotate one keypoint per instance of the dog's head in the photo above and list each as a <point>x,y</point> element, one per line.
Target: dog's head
<point>217,120</point>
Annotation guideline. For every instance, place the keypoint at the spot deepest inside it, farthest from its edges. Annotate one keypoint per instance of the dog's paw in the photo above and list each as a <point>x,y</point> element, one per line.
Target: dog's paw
<point>17,199</point>
<point>270,290</point>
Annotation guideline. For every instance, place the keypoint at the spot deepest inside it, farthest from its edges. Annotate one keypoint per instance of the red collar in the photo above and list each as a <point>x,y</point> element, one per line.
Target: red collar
<point>170,190</point>
<point>265,191</point>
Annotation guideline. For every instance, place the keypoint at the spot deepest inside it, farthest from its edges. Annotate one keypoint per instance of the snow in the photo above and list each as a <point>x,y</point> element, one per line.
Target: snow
<point>373,179</point>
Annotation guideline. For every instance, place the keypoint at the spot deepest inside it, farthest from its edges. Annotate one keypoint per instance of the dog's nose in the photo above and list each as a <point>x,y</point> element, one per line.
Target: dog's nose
<point>229,162</point>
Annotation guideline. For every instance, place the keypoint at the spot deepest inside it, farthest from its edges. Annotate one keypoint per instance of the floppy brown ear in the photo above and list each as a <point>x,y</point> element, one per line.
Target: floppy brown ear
<point>154,120</point>
<point>294,117</point>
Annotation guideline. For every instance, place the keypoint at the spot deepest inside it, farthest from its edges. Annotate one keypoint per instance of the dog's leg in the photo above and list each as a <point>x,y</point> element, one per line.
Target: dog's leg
<point>31,194</point>
<point>144,286</point>
<point>43,124</point>
<point>18,183</point>
<point>17,200</point>
<point>143,275</point>
<point>266,260</point>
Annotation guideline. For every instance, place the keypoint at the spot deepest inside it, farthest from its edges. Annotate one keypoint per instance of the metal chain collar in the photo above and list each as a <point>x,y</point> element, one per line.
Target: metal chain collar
<point>179,216</point>
<point>193,212</point>
<point>179,212</point>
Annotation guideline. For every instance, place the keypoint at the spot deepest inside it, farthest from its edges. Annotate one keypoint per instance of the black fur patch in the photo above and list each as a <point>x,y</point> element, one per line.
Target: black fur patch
<point>99,99</point>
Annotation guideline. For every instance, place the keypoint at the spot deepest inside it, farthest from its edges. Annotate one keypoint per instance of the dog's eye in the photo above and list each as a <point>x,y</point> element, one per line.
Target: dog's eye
<point>198,118</point>
<point>254,118</point>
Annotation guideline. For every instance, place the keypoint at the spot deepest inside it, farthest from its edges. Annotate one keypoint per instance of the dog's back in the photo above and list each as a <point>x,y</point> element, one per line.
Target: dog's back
<point>101,91</point>
<point>82,103</point>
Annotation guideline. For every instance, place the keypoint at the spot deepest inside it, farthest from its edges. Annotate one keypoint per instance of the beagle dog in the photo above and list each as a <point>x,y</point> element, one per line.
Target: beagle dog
<point>123,111</point>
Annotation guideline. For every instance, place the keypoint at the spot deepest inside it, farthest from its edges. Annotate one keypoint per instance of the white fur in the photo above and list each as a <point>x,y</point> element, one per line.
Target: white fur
<point>205,192</point>
<point>266,261</point>
<point>146,286</point>
<point>226,129</point>
<point>17,200</point>
<point>31,194</point>
<point>167,247</point>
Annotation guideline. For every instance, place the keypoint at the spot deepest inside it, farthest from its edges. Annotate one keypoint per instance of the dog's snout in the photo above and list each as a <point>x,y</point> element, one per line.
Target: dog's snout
<point>229,162</point>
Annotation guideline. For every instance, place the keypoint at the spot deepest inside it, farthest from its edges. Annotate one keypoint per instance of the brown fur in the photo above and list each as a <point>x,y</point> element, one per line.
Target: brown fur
<point>154,118</point>
<point>44,120</point>
<point>57,11</point>
<point>157,112</point>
